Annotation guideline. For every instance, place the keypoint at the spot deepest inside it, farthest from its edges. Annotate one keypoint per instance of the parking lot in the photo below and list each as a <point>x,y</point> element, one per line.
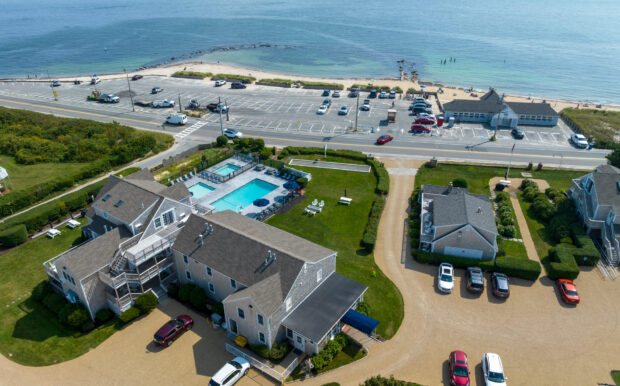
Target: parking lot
<point>276,110</point>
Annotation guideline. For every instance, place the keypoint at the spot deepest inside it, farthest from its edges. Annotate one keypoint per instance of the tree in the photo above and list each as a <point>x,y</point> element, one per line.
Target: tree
<point>614,157</point>
<point>221,140</point>
<point>146,302</point>
<point>459,183</point>
<point>198,298</point>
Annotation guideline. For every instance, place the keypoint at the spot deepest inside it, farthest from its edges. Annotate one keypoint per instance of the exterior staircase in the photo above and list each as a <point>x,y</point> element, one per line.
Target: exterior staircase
<point>613,257</point>
<point>118,265</point>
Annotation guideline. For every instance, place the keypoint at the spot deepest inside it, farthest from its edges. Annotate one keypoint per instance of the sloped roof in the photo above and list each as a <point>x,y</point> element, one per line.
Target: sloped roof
<point>176,192</point>
<point>491,96</point>
<point>524,108</point>
<point>607,188</point>
<point>473,106</point>
<point>267,294</point>
<point>135,199</point>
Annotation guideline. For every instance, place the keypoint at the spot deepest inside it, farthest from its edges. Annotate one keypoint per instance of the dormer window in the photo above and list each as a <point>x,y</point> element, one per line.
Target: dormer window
<point>168,217</point>
<point>157,223</point>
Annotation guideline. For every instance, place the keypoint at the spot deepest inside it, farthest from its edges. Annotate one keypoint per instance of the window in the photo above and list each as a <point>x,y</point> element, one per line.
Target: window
<point>233,284</point>
<point>261,337</point>
<point>231,377</point>
<point>241,313</point>
<point>188,275</point>
<point>168,217</point>
<point>209,272</point>
<point>106,197</point>
<point>289,333</point>
<point>260,320</point>
<point>233,326</point>
<point>211,288</point>
<point>68,277</point>
<point>319,275</point>
<point>105,215</point>
<point>288,304</point>
<point>185,259</point>
<point>157,223</point>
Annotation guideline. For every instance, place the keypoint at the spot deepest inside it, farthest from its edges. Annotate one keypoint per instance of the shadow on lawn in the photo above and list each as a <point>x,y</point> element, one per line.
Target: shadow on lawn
<point>39,323</point>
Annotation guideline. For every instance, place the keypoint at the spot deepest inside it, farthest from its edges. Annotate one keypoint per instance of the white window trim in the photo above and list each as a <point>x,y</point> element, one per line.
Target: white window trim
<point>165,213</point>
<point>155,222</point>
<point>261,341</point>
<point>233,281</point>
<point>239,315</point>
<point>258,320</point>
<point>185,259</point>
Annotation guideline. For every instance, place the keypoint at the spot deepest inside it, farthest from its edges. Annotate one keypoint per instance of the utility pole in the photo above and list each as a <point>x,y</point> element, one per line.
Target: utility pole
<point>357,109</point>
<point>133,107</point>
<point>219,107</point>
<point>510,161</point>
<point>227,117</point>
<point>179,102</point>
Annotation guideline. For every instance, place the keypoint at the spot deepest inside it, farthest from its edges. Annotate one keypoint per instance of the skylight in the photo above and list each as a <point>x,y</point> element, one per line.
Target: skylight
<point>118,203</point>
<point>106,197</point>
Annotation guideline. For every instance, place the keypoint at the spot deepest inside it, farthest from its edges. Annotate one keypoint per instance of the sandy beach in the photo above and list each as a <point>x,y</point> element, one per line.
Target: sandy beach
<point>450,92</point>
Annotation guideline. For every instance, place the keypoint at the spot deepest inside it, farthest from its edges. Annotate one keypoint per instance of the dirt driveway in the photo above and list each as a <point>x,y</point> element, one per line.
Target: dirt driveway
<point>130,357</point>
<point>541,341</point>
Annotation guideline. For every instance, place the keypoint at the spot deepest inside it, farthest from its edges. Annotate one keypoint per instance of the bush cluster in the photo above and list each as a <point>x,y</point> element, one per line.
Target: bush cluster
<point>459,183</point>
<point>363,308</point>
<point>146,302</point>
<point>279,350</point>
<point>73,315</point>
<point>190,293</point>
<point>192,74</point>
<point>14,235</point>
<point>233,77</point>
<point>249,145</point>
<point>370,233</point>
<point>331,86</point>
<point>331,349</point>
<point>129,315</point>
<point>505,216</point>
<point>103,315</point>
<point>382,381</point>
<point>260,349</point>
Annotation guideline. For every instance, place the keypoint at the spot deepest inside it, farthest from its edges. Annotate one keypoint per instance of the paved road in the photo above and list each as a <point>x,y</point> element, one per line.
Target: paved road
<point>288,117</point>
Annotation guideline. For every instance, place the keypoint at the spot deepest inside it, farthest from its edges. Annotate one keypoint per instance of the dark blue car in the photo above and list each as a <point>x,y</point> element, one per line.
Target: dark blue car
<point>325,92</point>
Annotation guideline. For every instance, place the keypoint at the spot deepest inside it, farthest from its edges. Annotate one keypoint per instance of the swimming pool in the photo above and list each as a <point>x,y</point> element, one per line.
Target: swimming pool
<point>198,190</point>
<point>226,169</point>
<point>244,196</point>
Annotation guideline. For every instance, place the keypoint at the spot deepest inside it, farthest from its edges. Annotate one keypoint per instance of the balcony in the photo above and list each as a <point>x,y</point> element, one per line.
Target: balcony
<point>136,277</point>
<point>150,246</point>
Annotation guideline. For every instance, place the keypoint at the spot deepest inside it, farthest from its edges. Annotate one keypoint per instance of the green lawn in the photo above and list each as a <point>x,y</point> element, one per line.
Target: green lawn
<point>349,354</point>
<point>163,174</point>
<point>26,176</point>
<point>615,375</point>
<point>513,248</point>
<point>29,333</point>
<point>341,227</point>
<point>542,241</point>
<point>602,125</point>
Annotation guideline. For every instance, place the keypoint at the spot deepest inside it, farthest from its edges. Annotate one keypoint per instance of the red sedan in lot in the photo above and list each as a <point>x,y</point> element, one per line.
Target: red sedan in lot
<point>459,372</point>
<point>568,291</point>
<point>425,120</point>
<point>419,128</point>
<point>173,329</point>
<point>384,139</point>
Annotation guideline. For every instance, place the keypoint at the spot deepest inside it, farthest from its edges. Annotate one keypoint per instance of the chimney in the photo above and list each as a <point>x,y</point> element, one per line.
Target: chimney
<point>105,228</point>
<point>479,210</point>
<point>200,240</point>
<point>206,227</point>
<point>210,228</point>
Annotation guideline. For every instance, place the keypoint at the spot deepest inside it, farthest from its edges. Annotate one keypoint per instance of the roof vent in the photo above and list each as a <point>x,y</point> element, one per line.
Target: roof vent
<point>206,227</point>
<point>210,228</point>
<point>271,258</point>
<point>479,210</point>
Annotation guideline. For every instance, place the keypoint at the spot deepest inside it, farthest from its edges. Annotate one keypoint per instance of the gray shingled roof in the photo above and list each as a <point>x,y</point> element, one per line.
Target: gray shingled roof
<point>491,95</point>
<point>99,224</point>
<point>239,246</point>
<point>473,106</point>
<point>94,254</point>
<point>607,189</point>
<point>320,311</point>
<point>523,108</point>
<point>176,192</point>
<point>267,294</point>
<point>458,206</point>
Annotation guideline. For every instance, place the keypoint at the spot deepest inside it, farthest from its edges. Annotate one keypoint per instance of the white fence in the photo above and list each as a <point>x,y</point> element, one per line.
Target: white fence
<point>270,371</point>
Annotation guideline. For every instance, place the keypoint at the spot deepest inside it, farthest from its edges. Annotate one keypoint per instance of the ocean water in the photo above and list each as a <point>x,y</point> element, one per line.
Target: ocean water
<point>551,48</point>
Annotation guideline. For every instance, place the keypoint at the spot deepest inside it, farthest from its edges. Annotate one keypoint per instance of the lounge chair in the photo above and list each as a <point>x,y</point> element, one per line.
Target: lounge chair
<point>321,204</point>
<point>345,200</point>
<point>315,202</point>
<point>309,212</point>
<point>191,174</point>
<point>171,183</point>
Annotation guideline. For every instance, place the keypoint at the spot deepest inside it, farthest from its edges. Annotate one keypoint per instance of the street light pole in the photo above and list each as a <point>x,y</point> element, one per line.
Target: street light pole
<point>357,109</point>
<point>179,102</point>
<point>219,107</point>
<point>133,107</point>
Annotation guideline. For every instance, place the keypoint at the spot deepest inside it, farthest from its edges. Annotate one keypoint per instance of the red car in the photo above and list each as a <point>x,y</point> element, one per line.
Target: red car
<point>384,139</point>
<point>425,120</point>
<point>568,291</point>
<point>173,329</point>
<point>459,372</point>
<point>419,128</point>
<point>136,77</point>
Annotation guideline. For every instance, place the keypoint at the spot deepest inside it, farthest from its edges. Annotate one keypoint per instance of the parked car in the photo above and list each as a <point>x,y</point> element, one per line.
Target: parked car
<point>232,133</point>
<point>420,128</point>
<point>237,85</point>
<point>392,94</point>
<point>579,140</point>
<point>423,101</point>
<point>95,80</point>
<point>366,105</point>
<point>425,120</point>
<point>501,287</point>
<point>231,372</point>
<point>383,94</point>
<point>327,102</point>
<point>336,94</point>
<point>344,110</point>
<point>55,83</point>
<point>445,278</point>
<point>156,90</point>
<point>136,77</point>
<point>420,109</point>
<point>109,98</point>
<point>325,92</point>
<point>458,367</point>
<point>173,329</point>
<point>475,280</point>
<point>493,370</point>
<point>517,133</point>
<point>568,291</point>
<point>384,139</point>
<point>220,82</point>
<point>176,119</point>
<point>372,94</point>
<point>163,103</point>
<point>322,109</point>
<point>354,92</point>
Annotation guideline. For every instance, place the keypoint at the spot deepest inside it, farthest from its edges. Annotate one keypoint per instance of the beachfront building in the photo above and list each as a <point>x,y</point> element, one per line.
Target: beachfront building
<point>491,109</point>
<point>597,201</point>
<point>457,223</point>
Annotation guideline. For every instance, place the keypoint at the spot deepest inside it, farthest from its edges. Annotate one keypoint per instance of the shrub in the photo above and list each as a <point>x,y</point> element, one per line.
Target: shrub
<point>318,361</point>
<point>501,196</point>
<point>191,74</point>
<point>279,350</point>
<point>554,194</point>
<point>527,183</point>
<point>261,350</point>
<point>543,208</point>
<point>41,290</point>
<point>370,233</point>
<point>221,140</point>
<point>198,298</point>
<point>302,182</point>
<point>173,290</point>
<point>103,315</point>
<point>185,291</point>
<point>87,326</point>
<point>129,315</point>
<point>54,302</point>
<point>506,219</point>
<point>382,381</point>
<point>459,183</point>
<point>14,235</point>
<point>363,308</point>
<point>265,154</point>
<point>507,231</point>
<point>540,166</point>
<point>146,302</point>
<point>73,315</point>
<point>530,193</point>
<point>516,267</point>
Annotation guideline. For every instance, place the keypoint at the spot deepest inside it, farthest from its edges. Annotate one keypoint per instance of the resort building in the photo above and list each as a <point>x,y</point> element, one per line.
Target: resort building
<point>457,223</point>
<point>491,109</point>
<point>597,200</point>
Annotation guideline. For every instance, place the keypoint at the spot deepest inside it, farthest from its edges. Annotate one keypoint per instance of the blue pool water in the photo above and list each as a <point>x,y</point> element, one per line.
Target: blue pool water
<point>244,196</point>
<point>226,169</point>
<point>198,190</point>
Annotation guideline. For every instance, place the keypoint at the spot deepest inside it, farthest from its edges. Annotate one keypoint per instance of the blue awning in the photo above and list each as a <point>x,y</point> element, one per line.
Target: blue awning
<point>360,321</point>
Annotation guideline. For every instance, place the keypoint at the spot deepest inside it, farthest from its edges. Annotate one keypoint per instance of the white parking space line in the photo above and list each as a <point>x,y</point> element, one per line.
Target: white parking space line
<point>269,124</point>
<point>310,108</point>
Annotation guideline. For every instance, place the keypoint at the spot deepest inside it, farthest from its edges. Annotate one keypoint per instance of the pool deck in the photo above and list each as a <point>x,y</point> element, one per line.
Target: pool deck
<point>224,188</point>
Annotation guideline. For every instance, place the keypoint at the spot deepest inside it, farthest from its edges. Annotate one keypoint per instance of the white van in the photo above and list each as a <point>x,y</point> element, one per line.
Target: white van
<point>176,119</point>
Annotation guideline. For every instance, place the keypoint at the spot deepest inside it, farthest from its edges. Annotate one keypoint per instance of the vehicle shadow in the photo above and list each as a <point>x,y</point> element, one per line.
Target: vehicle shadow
<point>154,347</point>
<point>478,375</point>
<point>492,298</point>
<point>465,293</point>
<point>446,372</point>
<point>547,282</point>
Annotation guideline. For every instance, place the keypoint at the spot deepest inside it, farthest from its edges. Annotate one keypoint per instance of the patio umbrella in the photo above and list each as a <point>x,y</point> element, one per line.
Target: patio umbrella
<point>423,86</point>
<point>261,202</point>
<point>291,185</point>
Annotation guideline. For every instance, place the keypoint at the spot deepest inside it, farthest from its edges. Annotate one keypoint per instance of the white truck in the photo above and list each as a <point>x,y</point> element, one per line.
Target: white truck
<point>163,103</point>
<point>176,119</point>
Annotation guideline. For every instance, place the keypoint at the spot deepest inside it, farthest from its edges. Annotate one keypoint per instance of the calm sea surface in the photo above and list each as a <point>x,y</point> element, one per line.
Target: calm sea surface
<point>552,48</point>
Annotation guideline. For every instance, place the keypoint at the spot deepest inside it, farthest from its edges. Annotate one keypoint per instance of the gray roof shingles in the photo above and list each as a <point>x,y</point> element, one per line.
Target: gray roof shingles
<point>607,190</point>
<point>524,108</point>
<point>473,106</point>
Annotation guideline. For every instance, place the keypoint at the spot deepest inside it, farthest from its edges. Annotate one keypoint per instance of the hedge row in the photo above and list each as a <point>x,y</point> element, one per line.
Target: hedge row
<point>233,77</point>
<point>383,177</point>
<point>372,227</point>
<point>192,74</point>
<point>14,235</point>
<point>366,87</point>
<point>331,349</point>
<point>565,259</point>
<point>331,86</point>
